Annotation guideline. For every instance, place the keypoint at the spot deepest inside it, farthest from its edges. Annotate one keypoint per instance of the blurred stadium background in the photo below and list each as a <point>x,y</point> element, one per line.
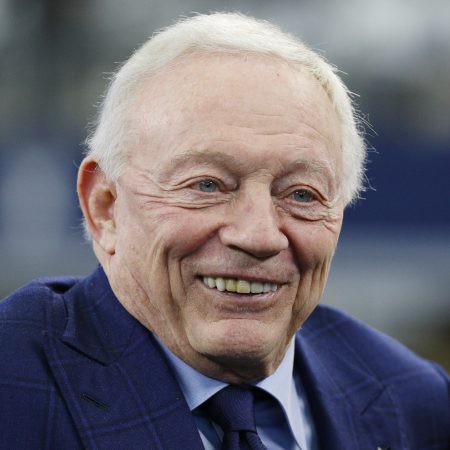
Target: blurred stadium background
<point>392,267</point>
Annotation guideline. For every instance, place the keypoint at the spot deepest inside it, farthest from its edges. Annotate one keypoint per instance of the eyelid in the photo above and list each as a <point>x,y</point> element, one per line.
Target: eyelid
<point>312,196</point>
<point>197,180</point>
<point>315,194</point>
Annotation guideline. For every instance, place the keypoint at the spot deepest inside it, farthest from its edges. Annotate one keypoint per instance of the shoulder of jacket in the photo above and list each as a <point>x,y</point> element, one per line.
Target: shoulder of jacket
<point>27,307</point>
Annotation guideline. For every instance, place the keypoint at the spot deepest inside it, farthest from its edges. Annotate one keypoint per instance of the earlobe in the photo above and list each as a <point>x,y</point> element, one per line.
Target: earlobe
<point>97,199</point>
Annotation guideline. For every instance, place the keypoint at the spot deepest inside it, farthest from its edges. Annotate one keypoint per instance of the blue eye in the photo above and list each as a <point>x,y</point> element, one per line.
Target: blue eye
<point>303,196</point>
<point>207,186</point>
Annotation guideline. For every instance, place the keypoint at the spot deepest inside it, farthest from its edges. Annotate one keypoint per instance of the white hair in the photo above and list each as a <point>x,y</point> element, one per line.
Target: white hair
<point>226,33</point>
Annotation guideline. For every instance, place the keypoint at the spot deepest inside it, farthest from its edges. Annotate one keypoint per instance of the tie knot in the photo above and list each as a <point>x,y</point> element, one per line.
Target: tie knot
<point>232,409</point>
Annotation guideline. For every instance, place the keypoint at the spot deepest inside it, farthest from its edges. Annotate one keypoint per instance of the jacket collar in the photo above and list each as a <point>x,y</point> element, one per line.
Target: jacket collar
<point>115,381</point>
<point>97,324</point>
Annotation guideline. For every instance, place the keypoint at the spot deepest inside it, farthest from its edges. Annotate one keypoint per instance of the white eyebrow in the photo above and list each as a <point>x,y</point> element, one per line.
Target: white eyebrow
<point>207,156</point>
<point>197,156</point>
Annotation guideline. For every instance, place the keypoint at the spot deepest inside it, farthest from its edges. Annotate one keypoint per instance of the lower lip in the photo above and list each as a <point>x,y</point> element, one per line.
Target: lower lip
<point>253,302</point>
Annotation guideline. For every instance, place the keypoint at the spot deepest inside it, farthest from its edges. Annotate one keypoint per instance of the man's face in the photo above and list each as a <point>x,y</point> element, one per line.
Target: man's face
<point>233,185</point>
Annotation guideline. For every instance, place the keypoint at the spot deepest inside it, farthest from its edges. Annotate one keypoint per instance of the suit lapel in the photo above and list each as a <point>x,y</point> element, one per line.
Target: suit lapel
<point>350,407</point>
<point>114,379</point>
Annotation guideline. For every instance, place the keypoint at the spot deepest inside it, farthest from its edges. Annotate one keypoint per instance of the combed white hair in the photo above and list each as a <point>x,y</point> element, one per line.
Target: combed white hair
<point>221,32</point>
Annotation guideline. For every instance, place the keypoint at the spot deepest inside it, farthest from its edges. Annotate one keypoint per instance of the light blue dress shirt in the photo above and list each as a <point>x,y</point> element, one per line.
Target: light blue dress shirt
<point>283,418</point>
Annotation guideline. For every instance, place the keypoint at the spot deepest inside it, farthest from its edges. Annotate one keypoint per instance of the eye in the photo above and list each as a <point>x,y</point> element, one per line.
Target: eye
<point>206,186</point>
<point>303,196</point>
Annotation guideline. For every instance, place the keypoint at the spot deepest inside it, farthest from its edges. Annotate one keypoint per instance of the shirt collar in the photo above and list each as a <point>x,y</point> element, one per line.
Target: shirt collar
<point>283,387</point>
<point>277,384</point>
<point>197,388</point>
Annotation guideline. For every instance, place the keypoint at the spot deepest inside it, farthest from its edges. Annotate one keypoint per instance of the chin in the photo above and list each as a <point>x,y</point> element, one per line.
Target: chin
<point>239,343</point>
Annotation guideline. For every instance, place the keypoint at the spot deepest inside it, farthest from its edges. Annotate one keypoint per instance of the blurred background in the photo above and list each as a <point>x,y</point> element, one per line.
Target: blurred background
<point>392,266</point>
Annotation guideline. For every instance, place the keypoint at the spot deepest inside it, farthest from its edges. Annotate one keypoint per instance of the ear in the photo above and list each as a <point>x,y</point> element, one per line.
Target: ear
<point>97,197</point>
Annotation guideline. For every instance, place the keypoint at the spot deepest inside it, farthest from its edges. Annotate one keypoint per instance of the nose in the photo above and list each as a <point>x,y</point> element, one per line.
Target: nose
<point>253,225</point>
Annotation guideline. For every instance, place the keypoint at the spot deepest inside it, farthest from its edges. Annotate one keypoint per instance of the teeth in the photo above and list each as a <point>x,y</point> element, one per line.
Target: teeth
<point>230,285</point>
<point>220,284</point>
<point>243,287</point>
<point>238,285</point>
<point>256,288</point>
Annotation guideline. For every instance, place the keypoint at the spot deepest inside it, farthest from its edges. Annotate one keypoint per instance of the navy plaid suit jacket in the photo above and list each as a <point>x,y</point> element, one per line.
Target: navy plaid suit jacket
<point>77,371</point>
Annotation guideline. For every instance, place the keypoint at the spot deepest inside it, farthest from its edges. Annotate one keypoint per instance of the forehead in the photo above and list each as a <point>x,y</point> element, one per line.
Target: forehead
<point>244,104</point>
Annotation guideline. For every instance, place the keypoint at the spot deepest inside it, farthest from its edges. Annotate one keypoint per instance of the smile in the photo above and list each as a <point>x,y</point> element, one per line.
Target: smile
<point>239,285</point>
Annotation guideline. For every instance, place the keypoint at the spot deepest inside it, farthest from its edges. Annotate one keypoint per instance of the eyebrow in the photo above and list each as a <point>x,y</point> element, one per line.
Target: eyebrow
<point>200,157</point>
<point>315,166</point>
<point>212,157</point>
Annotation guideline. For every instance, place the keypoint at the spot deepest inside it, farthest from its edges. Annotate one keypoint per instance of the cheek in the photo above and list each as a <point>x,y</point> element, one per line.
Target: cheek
<point>313,244</point>
<point>152,227</point>
<point>190,229</point>
<point>143,242</point>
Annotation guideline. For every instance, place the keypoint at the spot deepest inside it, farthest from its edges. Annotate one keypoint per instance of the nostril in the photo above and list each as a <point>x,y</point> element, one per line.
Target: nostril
<point>258,244</point>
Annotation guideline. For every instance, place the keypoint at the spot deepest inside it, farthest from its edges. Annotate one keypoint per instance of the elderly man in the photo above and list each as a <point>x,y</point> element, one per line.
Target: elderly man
<point>213,191</point>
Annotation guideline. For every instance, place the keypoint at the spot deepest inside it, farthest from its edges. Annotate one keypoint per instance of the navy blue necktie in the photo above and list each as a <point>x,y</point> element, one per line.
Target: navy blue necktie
<point>233,410</point>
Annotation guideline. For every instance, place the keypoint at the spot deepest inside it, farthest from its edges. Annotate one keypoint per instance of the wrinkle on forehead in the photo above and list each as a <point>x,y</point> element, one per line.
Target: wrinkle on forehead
<point>204,81</point>
<point>232,104</point>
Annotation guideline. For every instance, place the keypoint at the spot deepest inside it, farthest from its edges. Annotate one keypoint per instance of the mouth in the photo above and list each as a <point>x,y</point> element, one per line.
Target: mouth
<point>239,285</point>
